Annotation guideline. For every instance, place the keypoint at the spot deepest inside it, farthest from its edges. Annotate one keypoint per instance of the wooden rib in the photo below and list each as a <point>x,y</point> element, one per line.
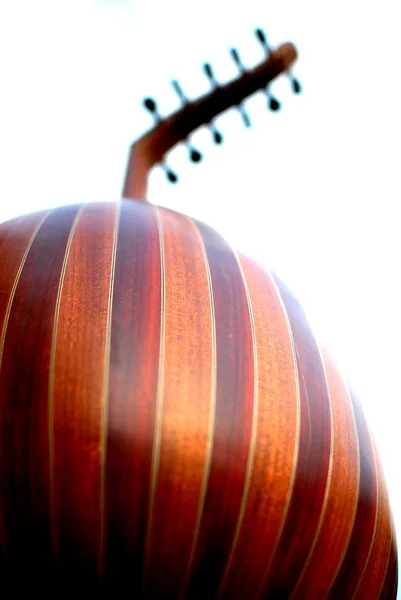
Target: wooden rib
<point>187,393</point>
<point>50,417</point>
<point>328,486</point>
<point>23,400</point>
<point>13,256</point>
<point>379,595</point>
<point>252,443</point>
<point>371,545</point>
<point>332,538</point>
<point>79,363</point>
<point>304,512</point>
<point>373,576</point>
<point>392,572</point>
<point>353,517</point>
<point>17,238</point>
<point>277,438</point>
<point>105,395</point>
<point>210,434</point>
<point>159,404</point>
<point>395,588</point>
<point>359,543</point>
<point>133,380</point>
<point>390,583</point>
<point>233,424</point>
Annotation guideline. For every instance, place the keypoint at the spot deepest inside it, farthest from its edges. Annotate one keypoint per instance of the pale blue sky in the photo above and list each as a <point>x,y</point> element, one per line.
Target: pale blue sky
<point>313,191</point>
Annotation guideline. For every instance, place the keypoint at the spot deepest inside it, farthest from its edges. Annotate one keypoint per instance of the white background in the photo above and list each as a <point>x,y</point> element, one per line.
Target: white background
<point>313,192</point>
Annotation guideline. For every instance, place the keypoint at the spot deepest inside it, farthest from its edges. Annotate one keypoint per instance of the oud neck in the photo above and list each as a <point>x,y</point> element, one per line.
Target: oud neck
<point>152,147</point>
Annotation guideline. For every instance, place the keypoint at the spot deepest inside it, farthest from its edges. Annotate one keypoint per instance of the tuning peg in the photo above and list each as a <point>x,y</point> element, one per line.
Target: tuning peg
<point>296,86</point>
<point>217,136</point>
<point>151,106</point>
<point>178,89</point>
<point>261,36</point>
<point>272,102</point>
<point>171,176</point>
<point>237,59</point>
<point>207,67</point>
<point>194,154</point>
<point>245,116</point>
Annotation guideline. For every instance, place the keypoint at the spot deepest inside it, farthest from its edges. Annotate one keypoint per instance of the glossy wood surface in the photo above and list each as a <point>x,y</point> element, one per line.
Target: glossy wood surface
<point>170,426</point>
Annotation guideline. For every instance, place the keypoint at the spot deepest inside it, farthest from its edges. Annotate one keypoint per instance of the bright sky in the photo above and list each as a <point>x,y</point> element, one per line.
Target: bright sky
<point>313,192</point>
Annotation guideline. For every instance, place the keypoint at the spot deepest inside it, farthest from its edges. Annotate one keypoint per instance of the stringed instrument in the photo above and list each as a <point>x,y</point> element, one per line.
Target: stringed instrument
<point>169,425</point>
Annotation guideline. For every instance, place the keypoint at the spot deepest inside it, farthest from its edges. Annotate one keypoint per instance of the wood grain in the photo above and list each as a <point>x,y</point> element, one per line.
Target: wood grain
<point>357,552</point>
<point>78,394</point>
<point>187,398</point>
<point>233,418</point>
<point>314,463</point>
<point>338,517</point>
<point>169,425</point>
<point>272,471</point>
<point>373,575</point>
<point>134,368</point>
<point>24,456</point>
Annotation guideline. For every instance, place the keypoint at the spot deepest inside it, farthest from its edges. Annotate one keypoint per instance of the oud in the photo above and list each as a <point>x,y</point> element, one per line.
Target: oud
<point>169,425</point>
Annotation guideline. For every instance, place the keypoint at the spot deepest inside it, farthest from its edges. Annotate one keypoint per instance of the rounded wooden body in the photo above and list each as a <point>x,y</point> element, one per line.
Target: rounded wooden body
<point>169,426</point>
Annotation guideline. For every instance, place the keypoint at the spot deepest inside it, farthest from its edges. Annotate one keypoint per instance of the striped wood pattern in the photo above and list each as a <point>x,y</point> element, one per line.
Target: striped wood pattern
<point>169,425</point>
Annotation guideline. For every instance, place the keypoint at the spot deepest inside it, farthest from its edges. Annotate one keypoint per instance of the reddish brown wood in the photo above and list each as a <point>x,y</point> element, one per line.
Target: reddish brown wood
<point>134,367</point>
<point>24,458</point>
<point>389,589</point>
<point>170,427</point>
<point>312,471</point>
<point>233,416</point>
<point>357,552</point>
<point>265,495</point>
<point>78,397</point>
<point>337,519</point>
<point>373,575</point>
<point>186,400</point>
<point>16,237</point>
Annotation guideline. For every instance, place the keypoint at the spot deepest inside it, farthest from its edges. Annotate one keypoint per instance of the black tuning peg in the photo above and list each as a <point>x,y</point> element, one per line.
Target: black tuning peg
<point>178,89</point>
<point>207,67</point>
<point>272,102</point>
<point>171,176</point>
<point>194,154</point>
<point>217,136</point>
<point>245,117</point>
<point>296,86</point>
<point>237,59</point>
<point>151,106</point>
<point>261,36</point>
